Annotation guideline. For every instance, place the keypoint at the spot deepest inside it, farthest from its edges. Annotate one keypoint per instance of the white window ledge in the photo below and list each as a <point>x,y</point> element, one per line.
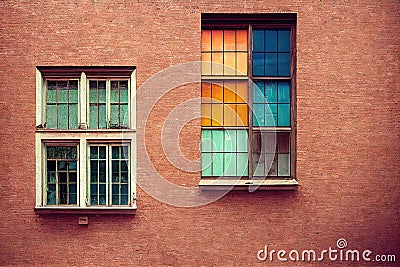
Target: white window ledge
<point>267,184</point>
<point>126,210</point>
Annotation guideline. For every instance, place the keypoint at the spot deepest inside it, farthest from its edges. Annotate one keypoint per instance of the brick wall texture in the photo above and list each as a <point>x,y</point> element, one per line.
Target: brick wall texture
<point>348,127</point>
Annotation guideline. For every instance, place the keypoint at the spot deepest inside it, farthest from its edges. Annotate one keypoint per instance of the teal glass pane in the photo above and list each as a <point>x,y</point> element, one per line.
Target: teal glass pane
<point>72,198</point>
<point>102,200</point>
<point>284,64</point>
<point>124,115</point>
<point>124,189</point>
<point>51,96</point>
<point>115,152</point>
<point>283,165</point>
<point>218,140</point>
<point>206,141</point>
<point>102,189</point>
<point>124,199</point>
<point>114,97</point>
<point>102,116</point>
<point>258,92</point>
<point>271,92</point>
<point>124,96</point>
<point>124,165</point>
<point>62,115</point>
<point>72,188</point>
<point>284,40</point>
<point>73,96</point>
<point>271,66</point>
<point>242,164</point>
<point>63,96</point>
<point>284,92</point>
<point>51,116</point>
<point>242,141</point>
<point>230,140</point>
<point>114,115</point>
<point>271,40</point>
<point>115,189</point>
<point>258,64</point>
<point>102,152</point>
<point>229,164</point>
<point>258,40</point>
<point>93,96</point>
<point>259,115</point>
<point>93,117</point>
<point>94,200</point>
<point>217,165</point>
<point>102,96</point>
<point>271,114</point>
<point>206,164</point>
<point>73,116</point>
<point>284,115</point>
<point>51,194</point>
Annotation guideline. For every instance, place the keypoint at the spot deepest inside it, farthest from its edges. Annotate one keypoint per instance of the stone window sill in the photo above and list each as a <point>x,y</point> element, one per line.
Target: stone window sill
<point>267,184</point>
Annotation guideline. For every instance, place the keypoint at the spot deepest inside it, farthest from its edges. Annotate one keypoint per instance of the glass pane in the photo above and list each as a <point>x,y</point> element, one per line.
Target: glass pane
<point>62,116</point>
<point>73,96</point>
<point>206,63</point>
<point>124,96</point>
<point>62,166</point>
<point>218,163</point>
<point>72,199</point>
<point>241,40</point>
<point>102,152</point>
<point>241,91</point>
<point>102,189</point>
<point>217,114</point>
<point>230,141</point>
<point>51,116</point>
<point>284,115</point>
<point>242,112</point>
<point>114,116</point>
<point>284,40</point>
<point>115,152</point>
<point>102,200</point>
<point>242,164</point>
<point>284,64</point>
<point>72,165</point>
<point>241,59</point>
<point>206,141</point>
<point>62,96</point>
<point>102,177</point>
<point>282,140</point>
<point>229,40</point>
<point>206,115</point>
<point>51,177</point>
<point>271,64</point>
<point>283,165</point>
<point>72,188</point>
<point>124,115</point>
<point>217,60</point>
<point>124,199</point>
<point>51,165</point>
<point>93,189</point>
<point>115,200</point>
<point>258,40</point>
<point>93,96</point>
<point>258,115</point>
<point>114,97</point>
<point>229,63</point>
<point>206,164</point>
<point>102,166</point>
<point>216,38</point>
<point>205,92</point>
<point>124,177</point>
<point>93,117</point>
<point>258,164</point>
<point>115,189</point>
<point>217,92</point>
<point>94,200</point>
<point>258,64</point>
<point>205,40</point>
<point>124,165</point>
<point>51,85</point>
<point>93,152</point>
<point>284,92</point>
<point>273,169</point>
<point>218,140</point>
<point>73,177</point>
<point>102,95</point>
<point>258,92</point>
<point>241,141</point>
<point>230,164</point>
<point>93,177</point>
<point>51,194</point>
<point>73,116</point>
<point>51,96</point>
<point>271,115</point>
<point>102,117</point>
<point>124,152</point>
<point>92,85</point>
<point>271,40</point>
<point>124,189</point>
<point>230,115</point>
<point>229,92</point>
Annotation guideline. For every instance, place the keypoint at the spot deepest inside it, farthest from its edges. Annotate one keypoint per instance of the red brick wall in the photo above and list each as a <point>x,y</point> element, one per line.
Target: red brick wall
<point>347,134</point>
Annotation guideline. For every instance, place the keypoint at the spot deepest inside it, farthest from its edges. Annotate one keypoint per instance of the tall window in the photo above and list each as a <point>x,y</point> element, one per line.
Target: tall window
<point>247,97</point>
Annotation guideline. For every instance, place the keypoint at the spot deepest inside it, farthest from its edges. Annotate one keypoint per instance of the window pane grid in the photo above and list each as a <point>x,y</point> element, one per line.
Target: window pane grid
<point>97,104</point>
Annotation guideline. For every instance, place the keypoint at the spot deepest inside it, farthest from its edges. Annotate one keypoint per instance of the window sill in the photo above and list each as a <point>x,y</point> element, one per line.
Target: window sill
<point>267,184</point>
<point>86,210</point>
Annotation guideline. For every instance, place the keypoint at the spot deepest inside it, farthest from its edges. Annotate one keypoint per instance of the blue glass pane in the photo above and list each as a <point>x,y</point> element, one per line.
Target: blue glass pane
<point>284,40</point>
<point>218,141</point>
<point>241,141</point>
<point>229,164</point>
<point>284,64</point>
<point>258,115</point>
<point>93,189</point>
<point>258,64</point>
<point>284,92</point>
<point>271,92</point>
<point>258,92</point>
<point>230,140</point>
<point>218,163</point>
<point>271,64</point>
<point>270,114</point>
<point>271,40</point>
<point>258,40</point>
<point>284,115</point>
<point>242,164</point>
<point>206,164</point>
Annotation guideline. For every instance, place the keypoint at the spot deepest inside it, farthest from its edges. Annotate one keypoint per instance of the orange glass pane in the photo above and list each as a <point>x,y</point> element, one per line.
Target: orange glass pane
<point>229,92</point>
<point>205,92</point>
<point>229,63</point>
<point>241,92</point>
<point>217,60</point>
<point>205,114</point>
<point>217,91</point>
<point>216,38</point>
<point>241,63</point>
<point>241,40</point>
<point>230,115</point>
<point>217,114</point>
<point>229,40</point>
<point>242,112</point>
<point>206,40</point>
<point>206,63</point>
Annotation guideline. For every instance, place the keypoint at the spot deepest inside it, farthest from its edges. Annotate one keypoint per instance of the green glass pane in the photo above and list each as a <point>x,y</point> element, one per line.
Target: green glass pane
<point>284,92</point>
<point>206,164</point>
<point>73,96</point>
<point>114,115</point>
<point>51,116</point>
<point>230,164</point>
<point>62,115</point>
<point>242,164</point>
<point>283,165</point>
<point>258,92</point>
<point>93,117</point>
<point>124,115</point>
<point>93,96</point>
<point>115,152</point>
<point>258,41</point>
<point>271,38</point>
<point>284,40</point>
<point>242,141</point>
<point>271,114</point>
<point>73,116</point>
<point>102,96</point>
<point>217,165</point>
<point>230,140</point>
<point>271,92</point>
<point>114,96</point>
<point>124,96</point>
<point>102,116</point>
<point>284,64</point>
<point>259,115</point>
<point>51,96</point>
<point>206,141</point>
<point>284,115</point>
<point>218,140</point>
<point>62,96</point>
